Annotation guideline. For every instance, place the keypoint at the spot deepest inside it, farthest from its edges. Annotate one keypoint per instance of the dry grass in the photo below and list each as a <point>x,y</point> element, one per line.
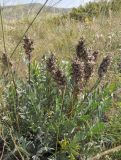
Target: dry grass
<point>61,36</point>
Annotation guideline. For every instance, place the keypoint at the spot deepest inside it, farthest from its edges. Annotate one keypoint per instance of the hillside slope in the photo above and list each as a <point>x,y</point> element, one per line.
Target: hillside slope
<point>19,11</point>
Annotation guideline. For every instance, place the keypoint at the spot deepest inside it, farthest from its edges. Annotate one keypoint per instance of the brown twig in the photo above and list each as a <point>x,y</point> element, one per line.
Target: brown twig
<point>100,155</point>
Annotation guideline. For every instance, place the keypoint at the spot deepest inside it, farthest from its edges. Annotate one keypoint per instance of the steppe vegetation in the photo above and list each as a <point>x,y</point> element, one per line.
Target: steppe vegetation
<point>60,88</point>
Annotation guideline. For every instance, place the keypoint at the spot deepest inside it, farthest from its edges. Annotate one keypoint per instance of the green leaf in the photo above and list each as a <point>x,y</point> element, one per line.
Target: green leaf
<point>97,128</point>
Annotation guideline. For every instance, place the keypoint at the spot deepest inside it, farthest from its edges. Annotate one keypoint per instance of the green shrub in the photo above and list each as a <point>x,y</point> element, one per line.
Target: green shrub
<point>94,9</point>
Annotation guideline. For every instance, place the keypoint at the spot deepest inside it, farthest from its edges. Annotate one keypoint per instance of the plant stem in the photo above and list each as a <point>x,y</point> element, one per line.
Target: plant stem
<point>3,34</point>
<point>100,155</point>
<point>91,90</point>
<point>29,69</point>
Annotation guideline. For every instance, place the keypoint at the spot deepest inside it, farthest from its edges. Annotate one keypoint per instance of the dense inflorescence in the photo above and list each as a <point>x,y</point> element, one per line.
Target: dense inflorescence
<point>6,61</point>
<point>77,75</point>
<point>28,46</point>
<point>104,66</point>
<point>82,68</point>
<point>51,63</point>
<point>57,74</point>
<point>83,65</point>
<point>81,51</point>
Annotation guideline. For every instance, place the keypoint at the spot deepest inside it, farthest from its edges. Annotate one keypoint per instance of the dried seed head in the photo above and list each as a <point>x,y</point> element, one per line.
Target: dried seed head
<point>51,63</point>
<point>92,57</point>
<point>28,46</point>
<point>95,55</point>
<point>89,65</point>
<point>82,66</point>
<point>56,73</point>
<point>77,75</point>
<point>104,67</point>
<point>60,78</point>
<point>88,70</point>
<point>77,70</point>
<point>6,61</point>
<point>81,50</point>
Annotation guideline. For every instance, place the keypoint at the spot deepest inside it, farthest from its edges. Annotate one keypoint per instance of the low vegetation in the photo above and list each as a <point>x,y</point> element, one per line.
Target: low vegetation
<point>94,9</point>
<point>59,93</point>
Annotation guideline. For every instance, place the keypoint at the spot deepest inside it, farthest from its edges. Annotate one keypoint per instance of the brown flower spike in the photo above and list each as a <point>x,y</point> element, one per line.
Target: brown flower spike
<point>6,61</point>
<point>81,51</point>
<point>28,46</point>
<point>88,70</point>
<point>56,73</point>
<point>82,66</point>
<point>51,63</point>
<point>77,75</point>
<point>59,77</point>
<point>104,67</point>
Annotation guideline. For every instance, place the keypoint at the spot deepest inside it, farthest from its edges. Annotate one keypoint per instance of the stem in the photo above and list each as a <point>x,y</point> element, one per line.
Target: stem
<point>29,69</point>
<point>2,26</point>
<point>57,139</point>
<point>61,111</point>
<point>17,102</point>
<point>72,108</point>
<point>91,90</point>
<point>100,155</point>
<point>63,95</point>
